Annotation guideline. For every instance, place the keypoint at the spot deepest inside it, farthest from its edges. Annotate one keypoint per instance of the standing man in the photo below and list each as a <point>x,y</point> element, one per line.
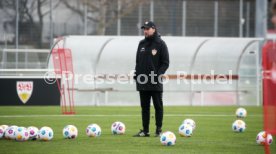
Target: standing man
<point>152,61</point>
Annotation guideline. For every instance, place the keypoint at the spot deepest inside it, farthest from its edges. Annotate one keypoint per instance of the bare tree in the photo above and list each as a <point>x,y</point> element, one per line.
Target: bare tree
<point>99,9</point>
<point>29,10</point>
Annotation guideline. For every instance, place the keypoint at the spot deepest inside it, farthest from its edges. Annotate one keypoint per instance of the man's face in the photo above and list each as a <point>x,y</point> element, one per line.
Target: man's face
<point>148,32</point>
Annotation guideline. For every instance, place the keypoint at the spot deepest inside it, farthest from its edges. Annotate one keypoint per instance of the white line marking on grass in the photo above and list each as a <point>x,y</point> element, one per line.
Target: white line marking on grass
<point>124,115</point>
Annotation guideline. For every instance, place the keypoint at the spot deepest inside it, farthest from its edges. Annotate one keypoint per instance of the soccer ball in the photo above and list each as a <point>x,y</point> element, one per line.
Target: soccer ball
<point>10,132</point>
<point>168,138</point>
<point>2,131</point>
<point>118,128</point>
<point>239,126</point>
<point>45,134</point>
<point>241,113</point>
<point>93,130</point>
<point>33,132</point>
<point>70,132</point>
<point>21,134</point>
<point>190,122</point>
<point>4,127</point>
<point>264,138</point>
<point>185,130</point>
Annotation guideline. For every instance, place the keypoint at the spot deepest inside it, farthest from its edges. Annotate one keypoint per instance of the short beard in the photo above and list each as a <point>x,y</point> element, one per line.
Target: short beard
<point>149,36</point>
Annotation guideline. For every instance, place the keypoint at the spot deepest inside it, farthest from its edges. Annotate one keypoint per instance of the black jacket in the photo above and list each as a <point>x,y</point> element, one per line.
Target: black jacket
<point>152,55</point>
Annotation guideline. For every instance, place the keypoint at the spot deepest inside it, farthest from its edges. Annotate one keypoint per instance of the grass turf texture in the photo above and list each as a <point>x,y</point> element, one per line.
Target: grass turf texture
<point>213,132</point>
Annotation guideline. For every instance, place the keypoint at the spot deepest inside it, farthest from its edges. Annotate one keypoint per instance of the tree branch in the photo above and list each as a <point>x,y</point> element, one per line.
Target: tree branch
<point>78,11</point>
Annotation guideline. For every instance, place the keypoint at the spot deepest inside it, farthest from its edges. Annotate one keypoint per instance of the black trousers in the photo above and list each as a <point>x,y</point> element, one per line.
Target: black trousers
<point>145,97</point>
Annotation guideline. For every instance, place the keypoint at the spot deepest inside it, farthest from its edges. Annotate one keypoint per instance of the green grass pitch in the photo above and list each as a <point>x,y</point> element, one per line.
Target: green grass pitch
<point>213,132</point>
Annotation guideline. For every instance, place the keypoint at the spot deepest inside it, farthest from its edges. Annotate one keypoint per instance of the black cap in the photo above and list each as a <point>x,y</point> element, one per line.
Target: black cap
<point>148,24</point>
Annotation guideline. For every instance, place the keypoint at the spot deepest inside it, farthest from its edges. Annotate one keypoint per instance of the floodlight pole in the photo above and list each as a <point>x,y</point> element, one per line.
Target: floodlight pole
<point>152,10</point>
<point>261,18</point>
<point>140,14</point>
<point>184,18</point>
<point>241,19</point>
<point>51,23</point>
<point>119,18</point>
<point>16,32</point>
<point>247,19</point>
<point>85,18</point>
<point>216,19</point>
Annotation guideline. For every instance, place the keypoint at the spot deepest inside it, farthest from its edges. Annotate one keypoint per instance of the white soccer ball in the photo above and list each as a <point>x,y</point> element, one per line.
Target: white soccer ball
<point>264,138</point>
<point>185,130</point>
<point>118,128</point>
<point>10,132</point>
<point>21,134</point>
<point>168,138</point>
<point>4,127</point>
<point>190,122</point>
<point>239,126</point>
<point>93,130</point>
<point>241,112</point>
<point>45,133</point>
<point>33,132</point>
<point>2,132</point>
<point>70,132</point>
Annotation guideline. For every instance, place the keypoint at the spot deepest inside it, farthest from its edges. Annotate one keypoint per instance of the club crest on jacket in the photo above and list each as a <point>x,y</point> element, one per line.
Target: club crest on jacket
<point>154,52</point>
